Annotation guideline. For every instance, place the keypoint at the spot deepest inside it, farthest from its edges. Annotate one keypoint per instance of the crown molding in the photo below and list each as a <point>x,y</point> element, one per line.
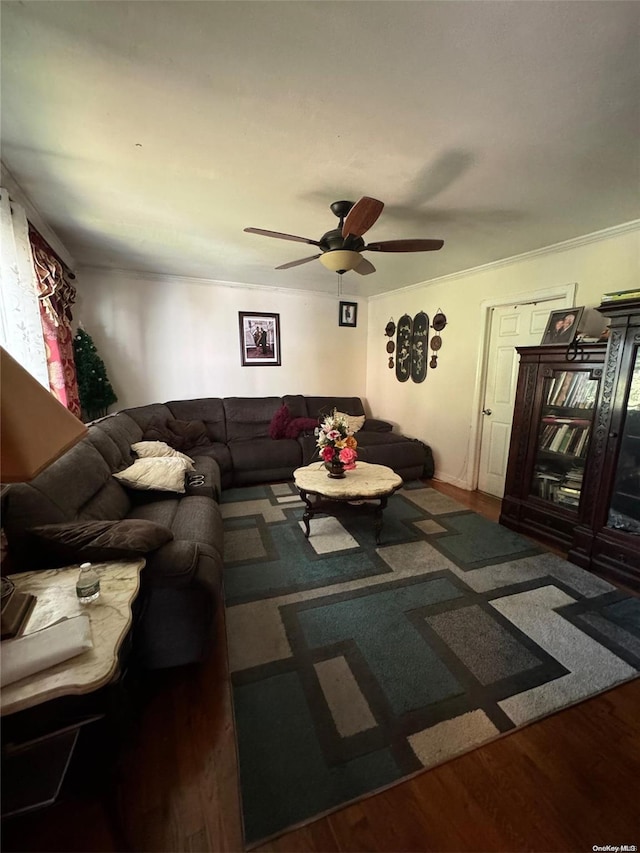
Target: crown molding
<point>565,245</point>
<point>34,216</point>
<point>140,275</point>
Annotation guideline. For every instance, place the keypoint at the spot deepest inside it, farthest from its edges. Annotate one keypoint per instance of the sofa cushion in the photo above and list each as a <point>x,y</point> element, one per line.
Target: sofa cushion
<point>375,425</point>
<point>196,524</point>
<point>262,459</point>
<point>151,449</point>
<point>249,417</point>
<point>279,423</point>
<point>320,407</point>
<point>190,517</point>
<point>209,410</point>
<point>397,452</point>
<point>144,415</point>
<point>181,435</point>
<point>122,430</point>
<point>297,405</point>
<point>75,541</point>
<point>354,422</point>
<point>163,474</point>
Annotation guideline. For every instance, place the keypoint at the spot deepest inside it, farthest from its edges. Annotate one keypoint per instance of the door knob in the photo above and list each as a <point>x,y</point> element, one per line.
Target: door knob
<point>486,411</point>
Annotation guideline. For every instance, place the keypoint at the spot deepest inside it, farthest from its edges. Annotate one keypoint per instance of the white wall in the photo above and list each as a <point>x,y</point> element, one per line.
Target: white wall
<point>440,410</point>
<point>167,338</point>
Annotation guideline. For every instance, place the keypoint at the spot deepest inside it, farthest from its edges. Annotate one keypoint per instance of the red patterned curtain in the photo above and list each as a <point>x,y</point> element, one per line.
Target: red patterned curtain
<point>56,295</point>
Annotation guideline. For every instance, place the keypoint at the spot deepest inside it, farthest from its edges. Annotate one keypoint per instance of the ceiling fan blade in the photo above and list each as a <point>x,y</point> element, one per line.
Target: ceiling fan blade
<point>405,246</point>
<point>362,216</point>
<point>365,267</point>
<point>297,263</point>
<point>281,236</point>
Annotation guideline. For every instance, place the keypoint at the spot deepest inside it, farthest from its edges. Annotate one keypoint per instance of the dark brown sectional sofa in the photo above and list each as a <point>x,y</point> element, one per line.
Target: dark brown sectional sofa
<point>180,585</point>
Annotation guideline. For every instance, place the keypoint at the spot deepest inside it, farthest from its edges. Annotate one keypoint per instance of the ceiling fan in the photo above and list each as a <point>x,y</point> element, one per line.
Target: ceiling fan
<point>340,248</point>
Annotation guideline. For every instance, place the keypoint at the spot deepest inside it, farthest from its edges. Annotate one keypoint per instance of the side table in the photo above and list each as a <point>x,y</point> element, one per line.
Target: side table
<point>110,617</point>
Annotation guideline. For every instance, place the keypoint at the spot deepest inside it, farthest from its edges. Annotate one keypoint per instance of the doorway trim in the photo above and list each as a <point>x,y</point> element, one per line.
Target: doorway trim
<point>566,291</point>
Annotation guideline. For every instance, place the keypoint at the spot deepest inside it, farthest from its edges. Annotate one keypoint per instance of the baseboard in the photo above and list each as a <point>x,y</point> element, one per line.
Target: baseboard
<point>453,481</point>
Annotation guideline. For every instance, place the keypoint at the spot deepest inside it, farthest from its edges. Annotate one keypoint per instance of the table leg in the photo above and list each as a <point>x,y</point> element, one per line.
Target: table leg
<point>308,513</point>
<point>378,518</point>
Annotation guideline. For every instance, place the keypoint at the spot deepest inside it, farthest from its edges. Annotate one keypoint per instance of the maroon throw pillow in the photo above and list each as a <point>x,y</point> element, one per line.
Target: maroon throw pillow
<point>298,425</point>
<point>279,422</point>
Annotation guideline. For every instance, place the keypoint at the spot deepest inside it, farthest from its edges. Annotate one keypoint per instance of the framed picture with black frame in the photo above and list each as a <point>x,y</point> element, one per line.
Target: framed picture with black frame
<point>562,326</point>
<point>348,315</point>
<point>259,339</point>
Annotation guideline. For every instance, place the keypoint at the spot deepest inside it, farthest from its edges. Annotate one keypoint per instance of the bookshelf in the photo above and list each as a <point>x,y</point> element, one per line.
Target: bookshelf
<point>551,439</point>
<point>607,537</point>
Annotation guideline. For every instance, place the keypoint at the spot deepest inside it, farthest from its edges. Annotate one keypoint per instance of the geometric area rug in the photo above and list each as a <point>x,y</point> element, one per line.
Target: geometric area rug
<point>354,666</point>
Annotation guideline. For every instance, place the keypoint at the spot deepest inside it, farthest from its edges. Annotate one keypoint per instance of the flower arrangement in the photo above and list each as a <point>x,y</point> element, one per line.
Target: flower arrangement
<point>336,442</point>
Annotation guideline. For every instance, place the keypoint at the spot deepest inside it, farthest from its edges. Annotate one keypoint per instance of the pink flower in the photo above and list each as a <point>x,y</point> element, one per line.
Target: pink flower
<point>348,458</point>
<point>333,435</point>
<point>327,453</point>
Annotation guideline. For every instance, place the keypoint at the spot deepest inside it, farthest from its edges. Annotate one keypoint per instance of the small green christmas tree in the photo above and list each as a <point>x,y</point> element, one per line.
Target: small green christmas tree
<point>96,393</point>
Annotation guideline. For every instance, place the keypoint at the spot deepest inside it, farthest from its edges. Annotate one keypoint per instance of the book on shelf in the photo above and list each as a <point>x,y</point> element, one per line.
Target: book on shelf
<point>620,295</point>
<point>572,389</point>
<point>546,485</point>
<point>558,438</point>
<point>564,435</point>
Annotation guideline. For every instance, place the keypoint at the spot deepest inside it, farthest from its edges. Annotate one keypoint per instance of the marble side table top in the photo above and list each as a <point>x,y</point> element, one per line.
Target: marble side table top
<point>110,618</point>
<point>365,481</point>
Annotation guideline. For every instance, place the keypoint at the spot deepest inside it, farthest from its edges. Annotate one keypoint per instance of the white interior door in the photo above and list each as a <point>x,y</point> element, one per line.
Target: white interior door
<point>511,326</point>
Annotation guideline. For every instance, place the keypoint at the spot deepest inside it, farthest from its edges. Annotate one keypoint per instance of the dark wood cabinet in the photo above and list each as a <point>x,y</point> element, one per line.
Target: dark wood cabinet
<point>551,438</point>
<point>607,538</point>
<point>573,477</point>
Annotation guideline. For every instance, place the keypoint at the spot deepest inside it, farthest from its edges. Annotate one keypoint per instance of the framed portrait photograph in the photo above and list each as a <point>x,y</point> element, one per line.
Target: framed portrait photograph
<point>259,339</point>
<point>562,326</point>
<point>348,314</point>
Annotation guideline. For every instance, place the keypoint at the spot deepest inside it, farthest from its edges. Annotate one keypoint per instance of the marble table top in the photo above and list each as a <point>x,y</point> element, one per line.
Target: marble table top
<point>365,481</point>
<point>109,617</point>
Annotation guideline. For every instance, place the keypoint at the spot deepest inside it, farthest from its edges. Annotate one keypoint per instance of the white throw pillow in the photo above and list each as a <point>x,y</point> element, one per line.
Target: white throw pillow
<point>354,422</point>
<point>163,473</point>
<point>150,449</point>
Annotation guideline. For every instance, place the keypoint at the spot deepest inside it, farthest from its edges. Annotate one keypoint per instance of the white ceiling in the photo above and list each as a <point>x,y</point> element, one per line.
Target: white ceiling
<point>149,134</point>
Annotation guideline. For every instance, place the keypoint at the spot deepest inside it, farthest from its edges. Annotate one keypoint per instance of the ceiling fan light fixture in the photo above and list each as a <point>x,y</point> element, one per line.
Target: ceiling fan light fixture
<point>340,260</point>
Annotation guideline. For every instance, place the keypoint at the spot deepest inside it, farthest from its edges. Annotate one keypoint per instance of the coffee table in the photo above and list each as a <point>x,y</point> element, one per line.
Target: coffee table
<point>360,487</point>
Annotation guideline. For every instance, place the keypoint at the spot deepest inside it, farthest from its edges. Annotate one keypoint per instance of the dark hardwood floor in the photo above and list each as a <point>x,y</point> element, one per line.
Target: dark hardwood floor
<point>568,782</point>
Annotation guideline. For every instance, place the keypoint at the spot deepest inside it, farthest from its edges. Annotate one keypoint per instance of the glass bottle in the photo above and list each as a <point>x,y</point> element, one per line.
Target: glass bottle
<point>88,585</point>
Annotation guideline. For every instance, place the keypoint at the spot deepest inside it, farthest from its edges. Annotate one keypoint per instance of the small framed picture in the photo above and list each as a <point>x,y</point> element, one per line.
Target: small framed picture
<point>259,339</point>
<point>562,326</point>
<point>348,314</point>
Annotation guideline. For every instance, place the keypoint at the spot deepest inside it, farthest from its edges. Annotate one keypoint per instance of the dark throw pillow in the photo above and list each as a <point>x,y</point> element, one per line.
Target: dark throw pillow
<point>279,423</point>
<point>181,435</point>
<point>97,541</point>
<point>299,425</point>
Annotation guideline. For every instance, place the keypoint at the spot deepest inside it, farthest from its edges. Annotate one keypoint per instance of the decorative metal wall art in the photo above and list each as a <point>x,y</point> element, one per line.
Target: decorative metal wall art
<point>412,344</point>
<point>419,346</point>
<point>404,341</point>
<point>439,322</point>
<point>390,330</point>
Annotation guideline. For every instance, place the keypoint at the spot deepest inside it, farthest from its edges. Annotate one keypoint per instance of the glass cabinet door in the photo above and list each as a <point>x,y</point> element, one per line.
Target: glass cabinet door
<point>624,509</point>
<point>564,431</point>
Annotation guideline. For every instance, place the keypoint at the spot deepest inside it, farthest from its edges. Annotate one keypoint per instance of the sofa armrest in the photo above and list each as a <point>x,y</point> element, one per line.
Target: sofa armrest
<point>205,480</point>
<point>374,425</point>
